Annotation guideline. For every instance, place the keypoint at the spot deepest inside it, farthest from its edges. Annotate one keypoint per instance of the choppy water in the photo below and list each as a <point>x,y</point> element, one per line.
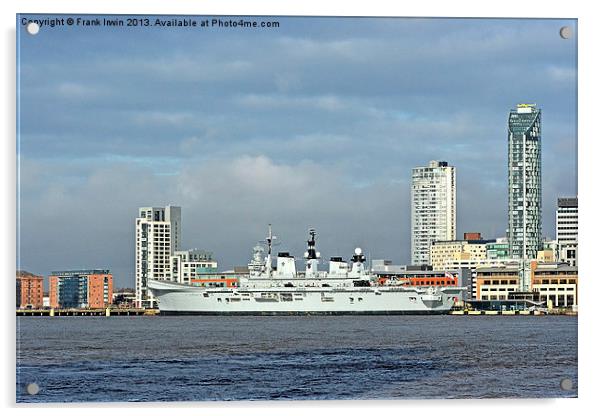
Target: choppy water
<point>76,359</point>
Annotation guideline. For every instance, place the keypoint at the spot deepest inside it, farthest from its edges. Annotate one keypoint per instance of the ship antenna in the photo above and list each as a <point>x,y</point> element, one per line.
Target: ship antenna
<point>269,239</point>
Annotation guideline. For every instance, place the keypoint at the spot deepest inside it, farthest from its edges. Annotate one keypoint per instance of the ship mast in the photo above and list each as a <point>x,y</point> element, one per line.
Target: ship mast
<point>311,245</point>
<point>311,255</point>
<point>268,260</point>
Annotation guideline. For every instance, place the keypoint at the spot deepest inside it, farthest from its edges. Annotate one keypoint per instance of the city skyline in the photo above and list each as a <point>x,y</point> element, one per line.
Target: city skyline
<point>324,122</point>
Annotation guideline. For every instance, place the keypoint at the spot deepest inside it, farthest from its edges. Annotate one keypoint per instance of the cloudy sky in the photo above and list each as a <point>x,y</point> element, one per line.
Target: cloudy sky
<point>317,123</point>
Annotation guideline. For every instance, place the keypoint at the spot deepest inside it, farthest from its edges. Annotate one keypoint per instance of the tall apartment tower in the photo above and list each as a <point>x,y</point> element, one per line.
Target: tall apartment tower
<point>433,208</point>
<point>524,181</point>
<point>158,232</point>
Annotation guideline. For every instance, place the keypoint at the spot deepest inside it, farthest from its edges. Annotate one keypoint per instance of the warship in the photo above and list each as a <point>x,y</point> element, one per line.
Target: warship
<point>346,288</point>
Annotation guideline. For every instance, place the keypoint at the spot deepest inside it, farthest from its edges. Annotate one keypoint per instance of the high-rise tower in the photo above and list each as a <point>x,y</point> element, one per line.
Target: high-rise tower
<point>524,181</point>
<point>158,233</point>
<point>433,208</point>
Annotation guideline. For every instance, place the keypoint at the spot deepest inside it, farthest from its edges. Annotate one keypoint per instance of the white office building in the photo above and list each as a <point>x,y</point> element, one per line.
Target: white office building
<point>567,213</point>
<point>191,264</point>
<point>566,220</point>
<point>158,233</point>
<point>433,202</point>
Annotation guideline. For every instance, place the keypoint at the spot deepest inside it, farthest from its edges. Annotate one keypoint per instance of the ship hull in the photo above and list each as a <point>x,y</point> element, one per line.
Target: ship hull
<point>176,299</point>
<point>298,313</point>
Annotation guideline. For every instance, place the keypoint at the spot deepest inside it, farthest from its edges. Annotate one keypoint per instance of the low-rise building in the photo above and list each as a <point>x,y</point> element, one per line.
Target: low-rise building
<point>557,283</point>
<point>187,265</point>
<point>472,247</point>
<point>30,290</point>
<point>471,265</point>
<point>423,275</point>
<point>81,288</point>
<point>495,283</point>
<point>553,282</point>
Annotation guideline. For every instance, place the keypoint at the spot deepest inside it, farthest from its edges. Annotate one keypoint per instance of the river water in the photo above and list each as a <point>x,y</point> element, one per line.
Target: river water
<point>116,359</point>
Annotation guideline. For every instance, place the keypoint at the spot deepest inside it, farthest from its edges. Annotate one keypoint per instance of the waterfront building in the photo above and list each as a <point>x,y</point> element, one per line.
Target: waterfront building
<point>187,265</point>
<point>567,213</point>
<point>433,210</point>
<point>91,288</point>
<point>553,282</point>
<point>496,283</point>
<point>29,290</point>
<point>524,181</point>
<point>472,247</point>
<point>557,283</point>
<point>471,266</point>
<point>158,233</point>
<point>469,254</point>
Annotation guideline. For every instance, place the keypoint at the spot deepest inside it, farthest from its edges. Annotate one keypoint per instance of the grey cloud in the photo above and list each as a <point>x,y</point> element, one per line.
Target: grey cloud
<point>226,207</point>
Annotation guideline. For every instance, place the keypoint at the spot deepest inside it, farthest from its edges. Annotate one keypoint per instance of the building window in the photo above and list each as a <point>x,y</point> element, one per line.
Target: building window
<point>570,300</point>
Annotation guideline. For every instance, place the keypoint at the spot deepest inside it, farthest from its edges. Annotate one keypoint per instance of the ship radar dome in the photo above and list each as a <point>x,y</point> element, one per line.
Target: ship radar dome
<point>358,251</point>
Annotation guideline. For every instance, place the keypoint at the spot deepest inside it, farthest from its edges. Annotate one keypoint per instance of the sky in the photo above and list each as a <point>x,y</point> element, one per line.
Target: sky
<point>317,123</point>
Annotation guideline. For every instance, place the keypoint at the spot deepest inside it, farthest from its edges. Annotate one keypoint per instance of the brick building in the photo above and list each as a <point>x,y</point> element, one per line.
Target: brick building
<point>81,289</point>
<point>30,290</point>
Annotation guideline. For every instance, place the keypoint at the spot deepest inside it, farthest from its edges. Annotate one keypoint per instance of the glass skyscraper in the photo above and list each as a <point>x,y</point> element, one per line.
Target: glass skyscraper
<point>524,181</point>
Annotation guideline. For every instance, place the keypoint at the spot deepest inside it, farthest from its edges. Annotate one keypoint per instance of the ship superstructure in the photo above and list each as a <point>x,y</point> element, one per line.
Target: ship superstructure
<point>345,288</point>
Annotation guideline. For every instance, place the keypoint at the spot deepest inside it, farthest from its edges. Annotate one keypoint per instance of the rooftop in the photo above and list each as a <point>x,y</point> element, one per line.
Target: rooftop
<point>567,203</point>
<point>522,118</point>
<point>80,272</point>
<point>464,241</point>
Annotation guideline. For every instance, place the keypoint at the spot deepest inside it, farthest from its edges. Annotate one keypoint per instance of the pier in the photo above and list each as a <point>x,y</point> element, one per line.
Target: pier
<point>513,312</point>
<point>88,312</point>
